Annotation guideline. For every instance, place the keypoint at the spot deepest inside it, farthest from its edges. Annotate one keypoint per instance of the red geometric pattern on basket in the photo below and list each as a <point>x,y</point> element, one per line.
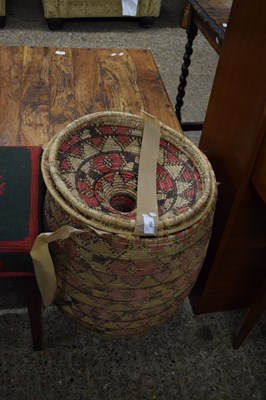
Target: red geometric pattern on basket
<point>94,160</point>
<point>115,290</point>
<point>111,323</point>
<point>115,282</point>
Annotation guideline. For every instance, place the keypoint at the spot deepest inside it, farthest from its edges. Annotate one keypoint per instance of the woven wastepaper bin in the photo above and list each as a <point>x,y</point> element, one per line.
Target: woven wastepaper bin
<point>108,278</point>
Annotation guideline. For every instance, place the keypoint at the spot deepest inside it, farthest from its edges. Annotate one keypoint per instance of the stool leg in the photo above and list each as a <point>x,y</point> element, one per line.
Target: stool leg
<point>254,314</point>
<point>191,34</point>
<point>55,24</point>
<point>34,303</point>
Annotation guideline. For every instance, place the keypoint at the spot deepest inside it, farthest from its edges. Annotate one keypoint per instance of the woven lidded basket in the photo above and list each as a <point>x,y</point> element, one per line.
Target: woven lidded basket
<point>109,279</point>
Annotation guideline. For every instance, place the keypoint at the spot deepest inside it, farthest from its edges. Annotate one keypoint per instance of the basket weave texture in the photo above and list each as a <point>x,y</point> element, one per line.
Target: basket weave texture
<point>109,279</point>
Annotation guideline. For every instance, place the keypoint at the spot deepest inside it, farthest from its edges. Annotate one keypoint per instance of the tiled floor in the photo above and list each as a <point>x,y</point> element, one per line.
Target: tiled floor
<point>190,357</point>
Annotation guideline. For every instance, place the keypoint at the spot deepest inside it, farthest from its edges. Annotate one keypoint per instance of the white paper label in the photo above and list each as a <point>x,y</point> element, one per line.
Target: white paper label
<point>149,224</point>
<point>130,7</point>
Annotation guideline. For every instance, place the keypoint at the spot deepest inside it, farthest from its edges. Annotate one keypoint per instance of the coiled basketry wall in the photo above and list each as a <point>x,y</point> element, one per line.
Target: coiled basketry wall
<point>109,279</point>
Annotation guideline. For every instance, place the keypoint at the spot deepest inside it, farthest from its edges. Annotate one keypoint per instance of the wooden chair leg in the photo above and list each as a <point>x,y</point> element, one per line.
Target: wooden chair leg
<point>254,314</point>
<point>34,304</point>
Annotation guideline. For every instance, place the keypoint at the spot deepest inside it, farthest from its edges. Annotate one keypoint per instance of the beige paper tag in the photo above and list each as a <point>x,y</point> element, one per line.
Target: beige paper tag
<point>147,205</point>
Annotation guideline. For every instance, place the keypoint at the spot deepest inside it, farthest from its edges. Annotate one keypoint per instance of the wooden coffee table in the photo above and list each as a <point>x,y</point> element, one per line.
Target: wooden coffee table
<point>44,89</point>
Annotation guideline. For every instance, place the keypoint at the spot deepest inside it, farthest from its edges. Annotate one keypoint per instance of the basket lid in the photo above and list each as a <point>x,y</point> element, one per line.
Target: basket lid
<point>93,168</point>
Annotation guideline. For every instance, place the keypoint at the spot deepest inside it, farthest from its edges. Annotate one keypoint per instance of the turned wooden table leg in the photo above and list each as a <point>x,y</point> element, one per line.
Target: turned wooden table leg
<point>191,34</point>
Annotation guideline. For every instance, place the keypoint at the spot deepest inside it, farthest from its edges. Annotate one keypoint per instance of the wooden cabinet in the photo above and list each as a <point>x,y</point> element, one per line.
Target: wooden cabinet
<point>233,138</point>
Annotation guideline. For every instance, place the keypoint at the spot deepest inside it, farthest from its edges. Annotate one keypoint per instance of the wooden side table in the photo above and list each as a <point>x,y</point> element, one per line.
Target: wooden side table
<point>210,17</point>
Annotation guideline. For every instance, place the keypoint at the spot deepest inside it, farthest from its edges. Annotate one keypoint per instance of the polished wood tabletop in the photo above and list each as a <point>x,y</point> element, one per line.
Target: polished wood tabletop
<point>43,89</point>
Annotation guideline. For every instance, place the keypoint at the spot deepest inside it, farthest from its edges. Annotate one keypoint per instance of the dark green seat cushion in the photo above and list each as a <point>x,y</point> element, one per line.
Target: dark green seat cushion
<point>21,201</point>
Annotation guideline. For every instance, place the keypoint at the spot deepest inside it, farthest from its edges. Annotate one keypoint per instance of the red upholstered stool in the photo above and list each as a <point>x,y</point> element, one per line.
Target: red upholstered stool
<point>21,198</point>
